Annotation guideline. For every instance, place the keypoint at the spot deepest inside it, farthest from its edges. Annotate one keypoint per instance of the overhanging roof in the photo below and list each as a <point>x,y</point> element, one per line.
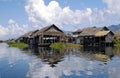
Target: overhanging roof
<point>101,33</point>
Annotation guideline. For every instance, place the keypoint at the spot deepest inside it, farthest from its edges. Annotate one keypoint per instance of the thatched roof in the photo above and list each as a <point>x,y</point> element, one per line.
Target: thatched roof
<point>93,31</point>
<point>29,34</point>
<point>46,32</point>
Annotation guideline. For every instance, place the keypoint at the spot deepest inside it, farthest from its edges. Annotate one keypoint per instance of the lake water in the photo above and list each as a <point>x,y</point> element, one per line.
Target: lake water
<point>44,62</point>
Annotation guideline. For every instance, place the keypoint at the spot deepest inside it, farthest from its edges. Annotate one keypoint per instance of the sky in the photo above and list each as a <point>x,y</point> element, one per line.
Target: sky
<point>20,16</point>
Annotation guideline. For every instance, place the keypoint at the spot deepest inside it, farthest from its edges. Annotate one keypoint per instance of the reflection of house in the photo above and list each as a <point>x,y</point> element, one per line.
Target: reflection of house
<point>93,36</point>
<point>48,55</point>
<point>97,49</point>
<point>98,52</point>
<point>48,35</point>
<point>27,37</point>
<point>117,34</point>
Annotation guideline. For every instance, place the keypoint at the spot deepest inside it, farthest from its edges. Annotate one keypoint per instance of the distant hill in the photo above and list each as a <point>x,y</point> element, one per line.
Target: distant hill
<point>114,27</point>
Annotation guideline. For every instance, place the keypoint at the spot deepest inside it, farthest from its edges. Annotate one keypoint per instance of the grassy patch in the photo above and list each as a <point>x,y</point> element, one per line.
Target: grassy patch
<point>61,46</point>
<point>117,42</point>
<point>117,45</point>
<point>58,46</point>
<point>17,44</point>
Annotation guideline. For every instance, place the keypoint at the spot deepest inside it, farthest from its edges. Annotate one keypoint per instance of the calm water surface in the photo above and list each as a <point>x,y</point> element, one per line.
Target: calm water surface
<point>44,62</point>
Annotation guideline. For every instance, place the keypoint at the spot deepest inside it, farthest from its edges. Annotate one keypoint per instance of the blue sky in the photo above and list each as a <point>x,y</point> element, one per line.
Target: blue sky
<point>20,16</point>
<point>82,4</point>
<point>14,9</point>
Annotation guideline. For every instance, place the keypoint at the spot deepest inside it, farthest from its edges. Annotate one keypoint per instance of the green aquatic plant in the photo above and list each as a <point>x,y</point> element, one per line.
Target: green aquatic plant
<point>58,46</point>
<point>61,46</point>
<point>20,45</point>
<point>116,42</point>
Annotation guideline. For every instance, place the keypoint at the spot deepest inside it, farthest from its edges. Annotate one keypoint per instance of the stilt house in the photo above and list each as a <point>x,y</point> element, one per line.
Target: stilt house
<point>93,36</point>
<point>48,35</point>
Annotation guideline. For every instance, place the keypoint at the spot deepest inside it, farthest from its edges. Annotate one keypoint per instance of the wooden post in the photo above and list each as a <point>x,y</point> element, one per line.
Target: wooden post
<point>99,41</point>
<point>54,39</point>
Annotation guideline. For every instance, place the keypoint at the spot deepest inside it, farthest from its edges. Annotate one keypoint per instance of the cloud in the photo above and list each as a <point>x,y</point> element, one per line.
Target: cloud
<point>13,30</point>
<point>41,14</point>
<point>113,6</point>
<point>71,66</point>
<point>3,31</point>
<point>112,10</point>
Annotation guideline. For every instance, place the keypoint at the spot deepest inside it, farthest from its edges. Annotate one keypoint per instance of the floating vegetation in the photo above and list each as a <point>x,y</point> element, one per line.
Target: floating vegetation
<point>58,46</point>
<point>20,45</point>
<point>117,42</point>
<point>61,46</point>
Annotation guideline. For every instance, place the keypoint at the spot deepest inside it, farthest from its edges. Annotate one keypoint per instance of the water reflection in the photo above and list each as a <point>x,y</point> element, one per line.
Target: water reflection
<point>43,62</point>
<point>117,51</point>
<point>99,53</point>
<point>52,56</point>
<point>63,68</point>
<point>71,63</point>
<point>12,62</point>
<point>46,54</point>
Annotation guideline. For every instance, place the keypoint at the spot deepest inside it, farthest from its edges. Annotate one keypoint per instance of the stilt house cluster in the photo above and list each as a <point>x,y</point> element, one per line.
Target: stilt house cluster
<point>91,36</point>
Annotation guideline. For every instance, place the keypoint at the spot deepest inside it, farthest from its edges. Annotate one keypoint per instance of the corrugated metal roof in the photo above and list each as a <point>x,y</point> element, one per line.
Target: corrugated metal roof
<point>101,33</point>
